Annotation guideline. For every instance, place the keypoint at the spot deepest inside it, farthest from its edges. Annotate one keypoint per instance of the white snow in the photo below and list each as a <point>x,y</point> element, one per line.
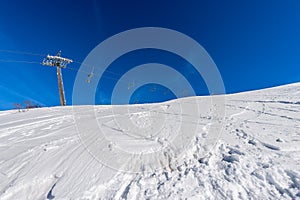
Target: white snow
<point>256,157</point>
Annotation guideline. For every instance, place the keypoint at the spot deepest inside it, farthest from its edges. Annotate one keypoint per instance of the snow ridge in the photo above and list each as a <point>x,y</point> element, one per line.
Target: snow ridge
<point>257,156</point>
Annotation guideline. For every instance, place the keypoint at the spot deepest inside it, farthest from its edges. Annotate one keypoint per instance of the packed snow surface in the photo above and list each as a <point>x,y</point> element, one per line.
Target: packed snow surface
<point>257,155</point>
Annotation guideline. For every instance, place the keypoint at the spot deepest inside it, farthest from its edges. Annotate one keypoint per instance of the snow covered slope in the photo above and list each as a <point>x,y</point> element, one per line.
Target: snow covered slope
<point>256,157</point>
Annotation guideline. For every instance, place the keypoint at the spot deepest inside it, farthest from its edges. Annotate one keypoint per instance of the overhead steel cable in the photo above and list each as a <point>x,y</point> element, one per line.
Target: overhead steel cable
<point>42,55</point>
<point>70,68</point>
<point>21,52</point>
<point>20,61</point>
<point>37,54</point>
<point>111,72</point>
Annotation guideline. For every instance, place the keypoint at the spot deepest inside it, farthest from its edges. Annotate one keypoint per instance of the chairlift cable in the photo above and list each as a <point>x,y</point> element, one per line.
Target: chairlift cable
<point>37,54</point>
<point>20,61</point>
<point>70,68</point>
<point>21,52</point>
<point>109,71</point>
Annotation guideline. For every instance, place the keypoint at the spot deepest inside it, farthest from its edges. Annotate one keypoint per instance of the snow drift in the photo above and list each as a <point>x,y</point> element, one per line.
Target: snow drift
<point>256,157</point>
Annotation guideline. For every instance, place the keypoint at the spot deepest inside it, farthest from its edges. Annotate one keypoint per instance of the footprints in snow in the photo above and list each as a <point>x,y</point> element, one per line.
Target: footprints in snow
<point>253,141</point>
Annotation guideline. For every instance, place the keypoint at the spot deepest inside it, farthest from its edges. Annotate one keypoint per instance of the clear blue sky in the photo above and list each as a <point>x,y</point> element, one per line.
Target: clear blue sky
<point>255,44</point>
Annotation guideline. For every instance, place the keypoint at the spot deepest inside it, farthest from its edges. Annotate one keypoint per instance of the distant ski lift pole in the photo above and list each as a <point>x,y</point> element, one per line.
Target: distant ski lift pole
<point>58,62</point>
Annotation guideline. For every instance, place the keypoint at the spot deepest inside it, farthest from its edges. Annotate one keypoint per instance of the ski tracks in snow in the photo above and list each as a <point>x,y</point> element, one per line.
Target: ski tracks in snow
<point>257,156</point>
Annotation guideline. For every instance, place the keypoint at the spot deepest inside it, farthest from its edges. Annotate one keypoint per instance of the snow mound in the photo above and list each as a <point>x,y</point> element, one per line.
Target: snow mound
<point>256,157</point>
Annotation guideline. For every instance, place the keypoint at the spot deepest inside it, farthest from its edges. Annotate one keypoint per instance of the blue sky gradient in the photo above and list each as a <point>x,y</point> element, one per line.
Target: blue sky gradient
<point>255,44</point>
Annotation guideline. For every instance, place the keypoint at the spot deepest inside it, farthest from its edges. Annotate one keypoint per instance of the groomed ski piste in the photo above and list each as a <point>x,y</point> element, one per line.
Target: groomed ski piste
<point>257,155</point>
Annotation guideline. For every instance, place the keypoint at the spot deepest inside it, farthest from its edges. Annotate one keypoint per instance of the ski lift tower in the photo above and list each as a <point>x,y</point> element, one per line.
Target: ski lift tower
<point>58,62</point>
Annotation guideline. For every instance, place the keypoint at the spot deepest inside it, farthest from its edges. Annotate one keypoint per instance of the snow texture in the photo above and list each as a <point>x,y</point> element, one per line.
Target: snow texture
<point>256,157</point>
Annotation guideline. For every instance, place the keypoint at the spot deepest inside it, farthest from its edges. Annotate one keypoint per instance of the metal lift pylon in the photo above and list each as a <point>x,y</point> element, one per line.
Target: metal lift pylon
<point>58,62</point>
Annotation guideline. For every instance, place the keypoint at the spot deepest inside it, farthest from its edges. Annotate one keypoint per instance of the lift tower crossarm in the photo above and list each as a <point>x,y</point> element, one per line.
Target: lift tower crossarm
<point>58,62</point>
